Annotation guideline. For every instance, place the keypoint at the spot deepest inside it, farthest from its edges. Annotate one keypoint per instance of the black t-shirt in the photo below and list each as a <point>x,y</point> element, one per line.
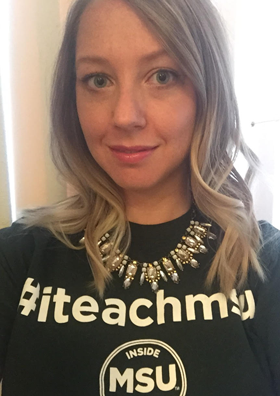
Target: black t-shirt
<point>57,337</point>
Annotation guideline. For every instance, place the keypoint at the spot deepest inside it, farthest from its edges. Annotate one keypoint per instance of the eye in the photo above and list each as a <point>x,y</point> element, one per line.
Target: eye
<point>163,76</point>
<point>99,81</point>
<point>96,80</point>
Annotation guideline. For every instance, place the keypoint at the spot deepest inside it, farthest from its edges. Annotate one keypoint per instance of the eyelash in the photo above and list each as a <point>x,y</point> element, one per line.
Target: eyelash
<point>88,77</point>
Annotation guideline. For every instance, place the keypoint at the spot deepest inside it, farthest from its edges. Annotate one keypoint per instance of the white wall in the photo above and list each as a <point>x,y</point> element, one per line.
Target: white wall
<point>257,65</point>
<point>254,30</point>
<point>5,215</point>
<point>36,27</point>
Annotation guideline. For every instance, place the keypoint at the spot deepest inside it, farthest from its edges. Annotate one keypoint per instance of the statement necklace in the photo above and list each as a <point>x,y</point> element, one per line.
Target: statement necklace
<point>191,244</point>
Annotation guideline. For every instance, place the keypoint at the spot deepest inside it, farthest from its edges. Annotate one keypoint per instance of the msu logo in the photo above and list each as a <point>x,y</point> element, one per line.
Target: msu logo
<point>143,366</point>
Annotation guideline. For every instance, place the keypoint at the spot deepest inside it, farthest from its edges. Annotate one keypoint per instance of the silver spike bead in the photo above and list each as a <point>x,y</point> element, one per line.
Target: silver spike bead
<point>164,277</point>
<point>142,278</point>
<point>194,263</point>
<point>127,283</point>
<point>154,286</point>
<point>211,235</point>
<point>121,271</point>
<point>175,277</point>
<point>203,249</point>
<point>179,265</point>
<point>198,239</point>
<point>193,250</point>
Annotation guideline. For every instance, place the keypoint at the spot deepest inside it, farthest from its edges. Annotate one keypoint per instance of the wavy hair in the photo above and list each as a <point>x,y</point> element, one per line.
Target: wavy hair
<point>192,33</point>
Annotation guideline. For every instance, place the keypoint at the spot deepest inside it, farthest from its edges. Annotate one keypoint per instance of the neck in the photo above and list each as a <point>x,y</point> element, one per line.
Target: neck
<point>151,208</point>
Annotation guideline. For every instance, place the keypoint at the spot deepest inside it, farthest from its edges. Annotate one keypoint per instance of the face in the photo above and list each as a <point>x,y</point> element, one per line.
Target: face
<point>136,108</point>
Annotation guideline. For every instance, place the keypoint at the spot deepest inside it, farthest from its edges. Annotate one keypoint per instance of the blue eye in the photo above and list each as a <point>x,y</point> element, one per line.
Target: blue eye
<point>99,80</point>
<point>164,76</point>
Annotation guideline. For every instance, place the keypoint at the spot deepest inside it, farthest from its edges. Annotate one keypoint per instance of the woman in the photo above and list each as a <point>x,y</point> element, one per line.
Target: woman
<point>94,299</point>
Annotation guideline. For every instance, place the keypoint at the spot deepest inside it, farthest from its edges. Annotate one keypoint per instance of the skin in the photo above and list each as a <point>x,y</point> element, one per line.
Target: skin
<point>134,105</point>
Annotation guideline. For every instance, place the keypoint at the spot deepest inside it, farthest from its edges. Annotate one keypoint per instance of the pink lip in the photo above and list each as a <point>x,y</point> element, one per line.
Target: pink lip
<point>132,154</point>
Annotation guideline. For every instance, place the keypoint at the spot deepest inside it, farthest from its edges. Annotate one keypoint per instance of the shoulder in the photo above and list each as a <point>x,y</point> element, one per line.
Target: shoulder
<point>265,327</point>
<point>269,259</point>
<point>268,289</point>
<point>18,244</point>
<point>270,248</point>
<point>19,237</point>
<point>269,233</point>
<point>21,243</point>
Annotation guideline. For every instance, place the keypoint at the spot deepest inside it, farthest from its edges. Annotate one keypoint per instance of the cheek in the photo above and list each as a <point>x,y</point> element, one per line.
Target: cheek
<point>93,121</point>
<point>179,122</point>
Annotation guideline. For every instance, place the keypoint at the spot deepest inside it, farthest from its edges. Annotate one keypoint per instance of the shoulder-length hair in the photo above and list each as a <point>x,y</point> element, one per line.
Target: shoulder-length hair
<point>192,33</point>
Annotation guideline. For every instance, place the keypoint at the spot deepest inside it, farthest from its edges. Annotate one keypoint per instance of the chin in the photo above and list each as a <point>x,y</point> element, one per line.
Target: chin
<point>137,185</point>
<point>129,182</point>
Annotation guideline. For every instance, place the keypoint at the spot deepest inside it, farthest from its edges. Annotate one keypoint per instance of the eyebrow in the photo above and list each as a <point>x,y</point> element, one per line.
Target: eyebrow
<point>103,61</point>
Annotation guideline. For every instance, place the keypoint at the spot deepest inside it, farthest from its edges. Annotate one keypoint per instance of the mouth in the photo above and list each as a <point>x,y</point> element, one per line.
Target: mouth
<point>132,154</point>
<point>132,149</point>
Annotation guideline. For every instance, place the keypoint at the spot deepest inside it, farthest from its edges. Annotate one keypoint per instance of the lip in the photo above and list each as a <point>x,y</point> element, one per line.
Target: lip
<point>132,154</point>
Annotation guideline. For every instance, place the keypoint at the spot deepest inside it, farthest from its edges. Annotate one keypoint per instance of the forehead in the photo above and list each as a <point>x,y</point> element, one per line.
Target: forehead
<point>111,28</point>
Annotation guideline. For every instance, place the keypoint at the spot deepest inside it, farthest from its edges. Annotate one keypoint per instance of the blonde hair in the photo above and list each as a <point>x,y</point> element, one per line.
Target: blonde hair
<point>192,33</point>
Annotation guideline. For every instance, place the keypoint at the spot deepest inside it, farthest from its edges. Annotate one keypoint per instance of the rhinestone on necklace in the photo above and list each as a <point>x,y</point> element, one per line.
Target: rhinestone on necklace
<point>191,244</point>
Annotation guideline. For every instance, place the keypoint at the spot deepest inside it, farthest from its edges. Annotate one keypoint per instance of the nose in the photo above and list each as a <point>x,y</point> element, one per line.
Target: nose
<point>128,110</point>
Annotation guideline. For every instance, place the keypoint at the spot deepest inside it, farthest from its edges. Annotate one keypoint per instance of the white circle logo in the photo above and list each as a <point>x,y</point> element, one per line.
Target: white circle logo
<point>143,366</point>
